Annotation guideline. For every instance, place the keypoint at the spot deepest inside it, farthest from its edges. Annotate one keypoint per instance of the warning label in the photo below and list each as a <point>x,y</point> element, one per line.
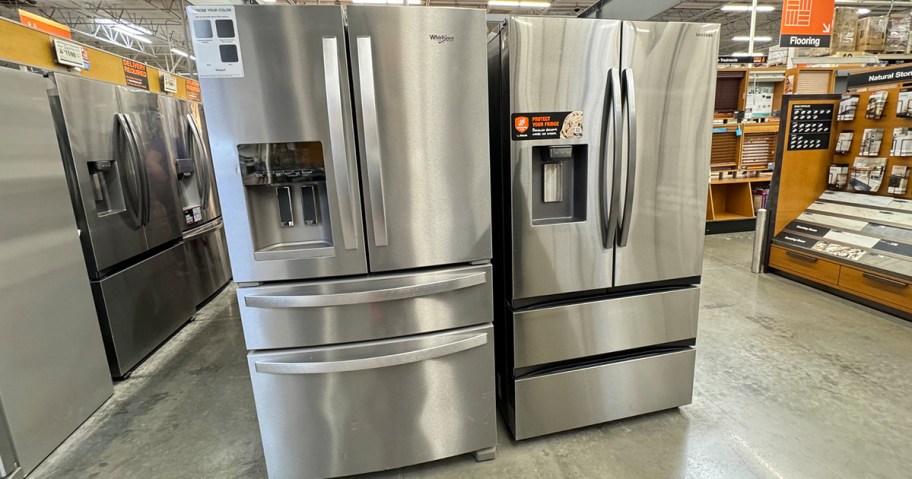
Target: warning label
<point>546,126</point>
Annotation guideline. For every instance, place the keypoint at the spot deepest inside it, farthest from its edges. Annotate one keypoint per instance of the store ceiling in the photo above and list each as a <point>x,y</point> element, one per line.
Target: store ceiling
<point>153,32</point>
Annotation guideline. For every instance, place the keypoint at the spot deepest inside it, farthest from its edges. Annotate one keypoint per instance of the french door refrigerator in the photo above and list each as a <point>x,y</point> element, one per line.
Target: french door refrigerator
<point>600,153</point>
<point>203,230</point>
<point>124,193</point>
<point>369,334</point>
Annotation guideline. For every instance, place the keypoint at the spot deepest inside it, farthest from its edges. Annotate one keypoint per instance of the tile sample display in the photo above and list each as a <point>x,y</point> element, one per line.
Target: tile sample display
<point>868,174</point>
<point>870,142</point>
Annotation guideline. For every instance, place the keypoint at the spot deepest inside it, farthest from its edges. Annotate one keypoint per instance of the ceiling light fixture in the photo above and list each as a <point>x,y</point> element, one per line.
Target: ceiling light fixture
<point>514,4</point>
<point>180,52</point>
<point>741,38</point>
<point>132,33</point>
<point>747,8</point>
<point>863,11</point>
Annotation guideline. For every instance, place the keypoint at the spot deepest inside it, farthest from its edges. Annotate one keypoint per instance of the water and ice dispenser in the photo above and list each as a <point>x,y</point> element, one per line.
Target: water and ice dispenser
<point>559,183</point>
<point>285,185</point>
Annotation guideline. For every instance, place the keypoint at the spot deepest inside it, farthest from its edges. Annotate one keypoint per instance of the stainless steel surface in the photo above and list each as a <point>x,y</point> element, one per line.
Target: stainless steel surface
<point>628,86</point>
<point>263,107</point>
<point>89,110</point>
<point>459,344</point>
<point>615,390</point>
<point>358,309</point>
<point>137,314</point>
<point>53,373</point>
<point>341,423</point>
<point>8,462</point>
<point>580,330</point>
<point>579,55</point>
<point>426,141</point>
<point>207,259</point>
<point>673,67</point>
<point>610,187</point>
<point>200,145</point>
<point>760,241</point>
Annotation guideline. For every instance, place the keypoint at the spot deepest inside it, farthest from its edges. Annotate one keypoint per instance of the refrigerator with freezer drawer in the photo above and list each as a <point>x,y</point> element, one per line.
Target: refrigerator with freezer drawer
<point>356,192</point>
<point>600,148</point>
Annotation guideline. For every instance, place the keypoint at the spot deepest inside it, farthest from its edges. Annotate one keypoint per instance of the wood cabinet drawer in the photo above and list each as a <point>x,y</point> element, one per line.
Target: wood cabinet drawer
<point>877,286</point>
<point>805,265</point>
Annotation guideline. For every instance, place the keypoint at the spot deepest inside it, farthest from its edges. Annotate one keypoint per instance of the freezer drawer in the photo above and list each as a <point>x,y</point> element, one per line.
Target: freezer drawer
<point>591,395</point>
<point>384,306</point>
<point>207,255</point>
<point>549,335</point>
<point>141,306</point>
<point>376,405</point>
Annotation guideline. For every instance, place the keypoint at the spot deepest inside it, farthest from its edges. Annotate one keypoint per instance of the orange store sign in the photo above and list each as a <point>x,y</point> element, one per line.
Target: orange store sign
<point>806,23</point>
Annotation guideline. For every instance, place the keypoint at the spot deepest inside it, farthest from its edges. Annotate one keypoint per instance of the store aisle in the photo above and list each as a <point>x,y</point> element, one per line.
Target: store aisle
<point>790,383</point>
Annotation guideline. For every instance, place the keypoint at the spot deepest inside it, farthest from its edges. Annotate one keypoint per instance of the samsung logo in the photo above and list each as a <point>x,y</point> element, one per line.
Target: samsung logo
<point>707,35</point>
<point>442,38</point>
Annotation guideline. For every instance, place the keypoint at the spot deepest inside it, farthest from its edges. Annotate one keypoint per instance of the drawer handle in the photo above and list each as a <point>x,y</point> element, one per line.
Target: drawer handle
<point>368,296</point>
<point>802,257</point>
<point>889,281</point>
<point>269,367</point>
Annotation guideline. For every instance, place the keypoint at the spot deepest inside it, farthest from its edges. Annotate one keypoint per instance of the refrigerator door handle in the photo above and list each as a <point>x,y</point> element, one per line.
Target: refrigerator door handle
<point>203,179</point>
<point>610,204</point>
<point>140,168</point>
<point>372,140</point>
<point>630,105</point>
<point>129,176</point>
<point>361,297</point>
<point>337,142</point>
<point>375,362</point>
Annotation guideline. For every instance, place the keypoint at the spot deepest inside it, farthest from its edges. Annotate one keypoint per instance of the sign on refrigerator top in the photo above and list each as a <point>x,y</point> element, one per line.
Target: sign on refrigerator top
<point>806,23</point>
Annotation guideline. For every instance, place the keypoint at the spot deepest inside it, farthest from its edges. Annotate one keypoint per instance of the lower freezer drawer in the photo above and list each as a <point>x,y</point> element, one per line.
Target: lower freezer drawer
<point>371,406</point>
<point>207,255</point>
<point>607,392</point>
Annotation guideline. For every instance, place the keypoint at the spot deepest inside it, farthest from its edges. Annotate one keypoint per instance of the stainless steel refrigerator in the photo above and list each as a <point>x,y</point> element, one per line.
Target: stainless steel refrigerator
<point>369,335</point>
<point>53,373</point>
<point>203,230</point>
<point>601,140</point>
<point>124,192</point>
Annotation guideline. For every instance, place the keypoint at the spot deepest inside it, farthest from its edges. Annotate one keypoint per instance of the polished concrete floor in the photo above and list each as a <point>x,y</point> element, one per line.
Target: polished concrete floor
<point>790,383</point>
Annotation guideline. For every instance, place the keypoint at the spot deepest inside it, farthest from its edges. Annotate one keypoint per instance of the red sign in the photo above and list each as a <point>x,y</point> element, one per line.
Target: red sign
<point>521,123</point>
<point>136,75</point>
<point>806,23</point>
<point>44,24</point>
<point>193,90</point>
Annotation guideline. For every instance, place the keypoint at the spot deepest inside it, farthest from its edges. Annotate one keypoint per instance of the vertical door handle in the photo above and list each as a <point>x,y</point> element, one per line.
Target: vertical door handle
<point>341,170</point>
<point>140,167</point>
<point>610,205</point>
<point>372,140</point>
<point>129,177</point>
<point>630,106</point>
<point>203,179</point>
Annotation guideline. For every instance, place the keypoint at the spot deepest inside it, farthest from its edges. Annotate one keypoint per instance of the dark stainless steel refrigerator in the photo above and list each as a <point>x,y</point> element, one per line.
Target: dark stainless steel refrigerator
<point>369,334</point>
<point>600,153</point>
<point>123,187</point>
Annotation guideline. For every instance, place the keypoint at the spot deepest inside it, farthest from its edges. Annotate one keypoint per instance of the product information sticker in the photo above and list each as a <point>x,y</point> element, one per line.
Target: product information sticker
<point>215,42</point>
<point>546,126</point>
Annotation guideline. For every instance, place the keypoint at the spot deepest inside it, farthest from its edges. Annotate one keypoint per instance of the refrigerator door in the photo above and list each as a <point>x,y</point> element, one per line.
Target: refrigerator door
<point>669,86</point>
<point>560,235</point>
<point>371,406</point>
<point>53,373</point>
<point>198,137</point>
<point>103,170</point>
<point>136,313</point>
<point>284,148</point>
<point>207,256</point>
<point>161,209</point>
<point>187,172</point>
<point>423,123</point>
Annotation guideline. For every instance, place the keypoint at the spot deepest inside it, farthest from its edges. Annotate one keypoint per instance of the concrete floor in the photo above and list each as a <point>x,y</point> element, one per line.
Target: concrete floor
<point>790,382</point>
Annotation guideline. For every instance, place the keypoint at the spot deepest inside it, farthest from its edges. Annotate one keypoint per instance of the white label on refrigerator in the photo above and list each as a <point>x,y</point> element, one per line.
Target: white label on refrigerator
<point>215,42</point>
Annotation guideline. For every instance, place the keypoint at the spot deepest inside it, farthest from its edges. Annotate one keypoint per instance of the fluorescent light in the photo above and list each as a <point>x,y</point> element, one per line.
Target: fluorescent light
<point>741,38</point>
<point>515,4</point>
<point>747,8</point>
<point>131,33</point>
<point>863,11</point>
<point>180,52</point>
<point>192,57</point>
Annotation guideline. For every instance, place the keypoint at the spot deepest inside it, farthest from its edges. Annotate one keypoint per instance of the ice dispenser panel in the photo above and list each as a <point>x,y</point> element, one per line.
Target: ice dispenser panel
<point>285,184</point>
<point>559,184</point>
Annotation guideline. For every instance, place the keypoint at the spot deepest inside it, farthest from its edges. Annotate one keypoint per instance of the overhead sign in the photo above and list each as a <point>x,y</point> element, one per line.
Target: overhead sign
<point>193,90</point>
<point>168,82</point>
<point>136,74</point>
<point>728,60</point>
<point>44,24</point>
<point>896,75</point>
<point>68,53</point>
<point>806,23</point>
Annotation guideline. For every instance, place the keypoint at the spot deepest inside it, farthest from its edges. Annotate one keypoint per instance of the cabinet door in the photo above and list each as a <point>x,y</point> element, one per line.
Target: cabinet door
<point>420,86</point>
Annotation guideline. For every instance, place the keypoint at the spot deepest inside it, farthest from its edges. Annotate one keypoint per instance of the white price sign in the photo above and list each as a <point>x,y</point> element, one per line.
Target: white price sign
<point>68,53</point>
<point>169,83</point>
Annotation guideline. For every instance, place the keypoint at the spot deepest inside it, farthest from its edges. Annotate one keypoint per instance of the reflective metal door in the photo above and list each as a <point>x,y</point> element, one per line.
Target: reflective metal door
<point>161,209</point>
<point>198,139</point>
<point>668,79</point>
<point>295,91</point>
<point>103,169</point>
<point>563,65</point>
<point>420,88</point>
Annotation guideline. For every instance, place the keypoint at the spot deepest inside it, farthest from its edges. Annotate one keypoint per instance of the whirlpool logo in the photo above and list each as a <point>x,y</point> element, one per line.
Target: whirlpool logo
<point>707,35</point>
<point>442,37</point>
